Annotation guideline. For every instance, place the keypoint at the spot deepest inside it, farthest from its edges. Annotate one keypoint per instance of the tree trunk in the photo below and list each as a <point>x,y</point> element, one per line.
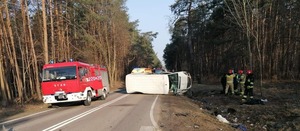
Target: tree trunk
<point>45,36</point>
<point>4,45</point>
<point>3,82</point>
<point>23,41</point>
<point>53,50</point>
<point>13,57</point>
<point>35,67</point>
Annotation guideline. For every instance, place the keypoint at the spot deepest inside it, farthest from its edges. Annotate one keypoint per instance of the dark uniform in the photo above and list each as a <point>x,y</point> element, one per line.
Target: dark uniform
<point>223,82</point>
<point>236,81</point>
<point>249,84</point>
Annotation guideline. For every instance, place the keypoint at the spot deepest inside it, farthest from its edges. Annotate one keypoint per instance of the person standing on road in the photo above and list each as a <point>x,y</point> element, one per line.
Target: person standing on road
<point>229,82</point>
<point>249,84</point>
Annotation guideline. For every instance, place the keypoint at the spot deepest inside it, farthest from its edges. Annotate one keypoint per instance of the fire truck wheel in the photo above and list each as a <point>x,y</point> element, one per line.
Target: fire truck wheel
<point>104,95</point>
<point>88,99</point>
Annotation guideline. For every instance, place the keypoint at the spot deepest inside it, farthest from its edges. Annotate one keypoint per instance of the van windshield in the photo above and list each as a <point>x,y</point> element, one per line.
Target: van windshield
<point>61,73</point>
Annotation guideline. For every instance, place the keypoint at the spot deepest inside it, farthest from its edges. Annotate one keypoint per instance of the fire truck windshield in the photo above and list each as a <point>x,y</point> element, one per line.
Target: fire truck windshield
<point>59,73</point>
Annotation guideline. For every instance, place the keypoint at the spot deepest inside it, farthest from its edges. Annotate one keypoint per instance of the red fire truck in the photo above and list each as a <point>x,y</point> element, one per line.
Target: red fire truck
<point>74,81</point>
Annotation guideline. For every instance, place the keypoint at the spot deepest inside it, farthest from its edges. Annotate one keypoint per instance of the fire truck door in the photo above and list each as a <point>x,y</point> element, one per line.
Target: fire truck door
<point>83,77</point>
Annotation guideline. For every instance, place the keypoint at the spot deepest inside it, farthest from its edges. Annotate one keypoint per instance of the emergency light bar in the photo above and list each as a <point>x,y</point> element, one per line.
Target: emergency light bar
<point>52,61</point>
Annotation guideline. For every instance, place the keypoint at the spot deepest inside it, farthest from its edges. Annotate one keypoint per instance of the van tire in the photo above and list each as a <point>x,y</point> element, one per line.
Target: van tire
<point>88,99</point>
<point>53,105</point>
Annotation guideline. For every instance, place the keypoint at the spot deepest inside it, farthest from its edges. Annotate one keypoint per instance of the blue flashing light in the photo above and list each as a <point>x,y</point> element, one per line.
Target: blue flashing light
<point>51,61</point>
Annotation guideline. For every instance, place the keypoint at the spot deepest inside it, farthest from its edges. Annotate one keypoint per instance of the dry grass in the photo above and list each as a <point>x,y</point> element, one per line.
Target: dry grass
<point>14,110</point>
<point>117,85</point>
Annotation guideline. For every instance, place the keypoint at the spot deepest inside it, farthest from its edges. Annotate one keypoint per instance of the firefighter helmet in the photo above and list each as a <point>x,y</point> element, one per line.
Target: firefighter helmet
<point>230,71</point>
<point>249,71</point>
<point>241,71</point>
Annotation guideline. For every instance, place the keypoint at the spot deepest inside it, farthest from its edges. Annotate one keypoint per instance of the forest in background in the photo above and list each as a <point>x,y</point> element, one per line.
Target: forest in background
<point>208,38</point>
<point>211,36</point>
<point>33,32</point>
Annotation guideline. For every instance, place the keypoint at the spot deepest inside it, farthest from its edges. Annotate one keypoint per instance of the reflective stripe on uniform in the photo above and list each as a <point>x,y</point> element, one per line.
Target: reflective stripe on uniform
<point>229,81</point>
<point>249,86</point>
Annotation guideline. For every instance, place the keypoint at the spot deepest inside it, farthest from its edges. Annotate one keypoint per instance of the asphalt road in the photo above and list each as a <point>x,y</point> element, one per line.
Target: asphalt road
<point>119,112</point>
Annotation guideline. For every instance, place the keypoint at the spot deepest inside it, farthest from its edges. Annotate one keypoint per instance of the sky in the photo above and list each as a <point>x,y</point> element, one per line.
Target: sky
<point>153,15</point>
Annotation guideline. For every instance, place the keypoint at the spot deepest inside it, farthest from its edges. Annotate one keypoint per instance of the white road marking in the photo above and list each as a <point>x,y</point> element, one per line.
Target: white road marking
<point>65,122</point>
<point>147,128</point>
<point>151,114</point>
<point>25,117</point>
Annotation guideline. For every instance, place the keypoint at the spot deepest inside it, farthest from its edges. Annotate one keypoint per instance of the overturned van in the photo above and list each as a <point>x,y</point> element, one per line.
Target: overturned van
<point>153,83</point>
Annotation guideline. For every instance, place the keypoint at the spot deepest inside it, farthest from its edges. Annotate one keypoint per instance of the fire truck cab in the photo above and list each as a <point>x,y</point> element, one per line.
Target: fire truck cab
<point>74,81</point>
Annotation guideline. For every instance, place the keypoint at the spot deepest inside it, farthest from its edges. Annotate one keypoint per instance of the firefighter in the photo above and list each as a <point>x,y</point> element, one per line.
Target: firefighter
<point>242,82</point>
<point>236,81</point>
<point>249,84</point>
<point>223,82</point>
<point>229,82</point>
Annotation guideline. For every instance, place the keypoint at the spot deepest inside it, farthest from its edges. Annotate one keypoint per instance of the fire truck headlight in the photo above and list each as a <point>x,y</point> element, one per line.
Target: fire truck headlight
<point>45,99</point>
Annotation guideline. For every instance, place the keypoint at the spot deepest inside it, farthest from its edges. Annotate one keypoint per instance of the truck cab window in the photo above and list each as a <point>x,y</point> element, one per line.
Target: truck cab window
<point>61,73</point>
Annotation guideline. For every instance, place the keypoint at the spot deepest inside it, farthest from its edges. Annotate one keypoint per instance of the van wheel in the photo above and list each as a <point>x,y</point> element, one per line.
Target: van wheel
<point>104,95</point>
<point>88,99</point>
<point>53,105</point>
